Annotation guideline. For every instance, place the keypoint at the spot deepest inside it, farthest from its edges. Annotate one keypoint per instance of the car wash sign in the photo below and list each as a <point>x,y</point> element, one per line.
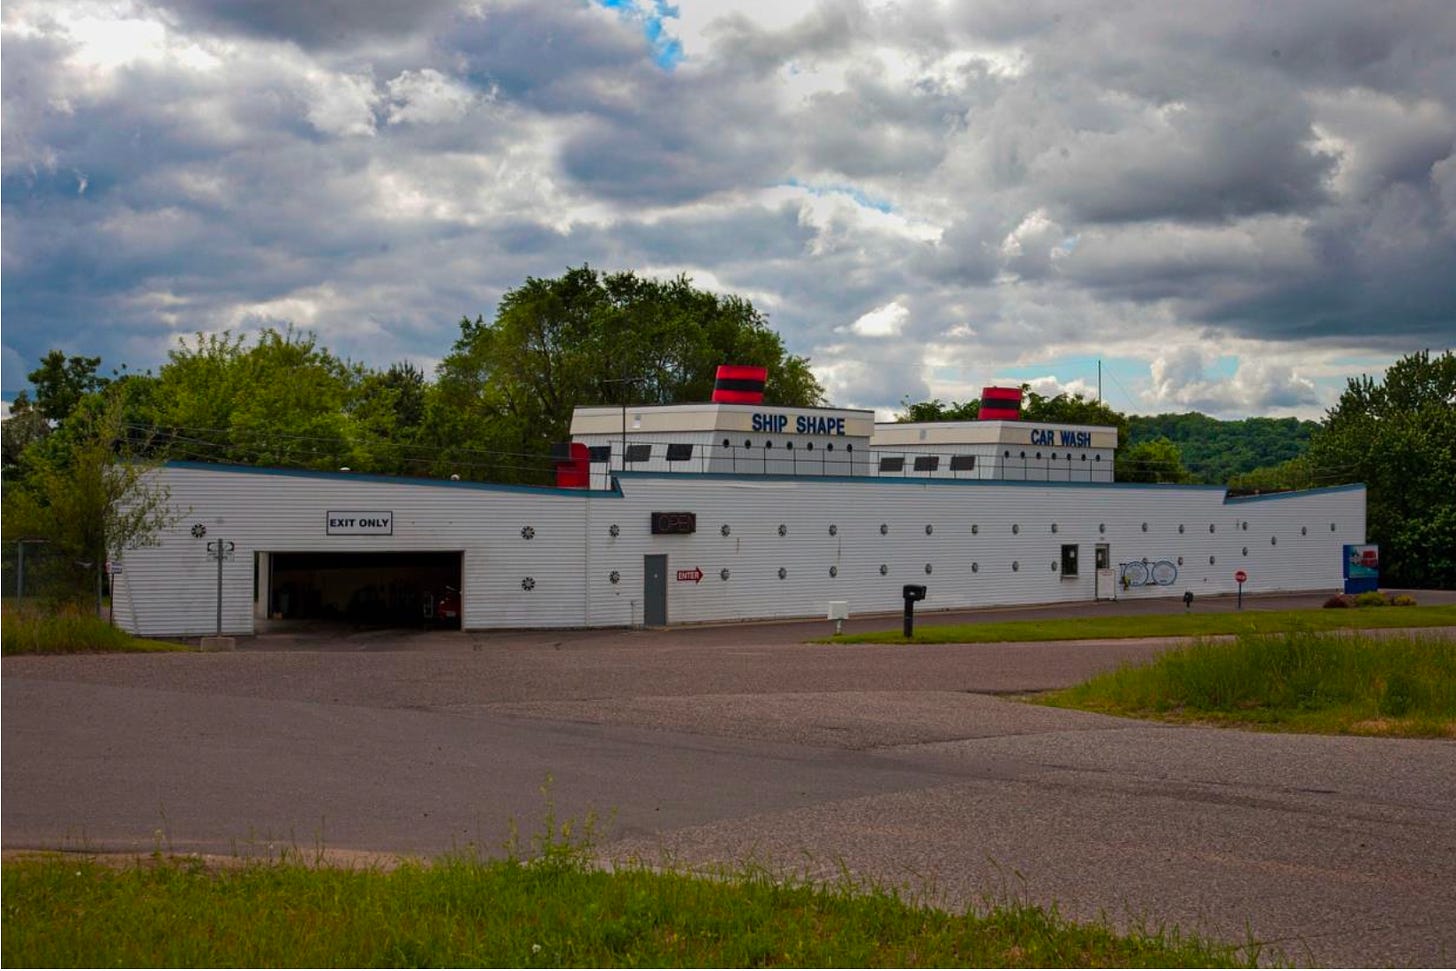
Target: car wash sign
<point>354,522</point>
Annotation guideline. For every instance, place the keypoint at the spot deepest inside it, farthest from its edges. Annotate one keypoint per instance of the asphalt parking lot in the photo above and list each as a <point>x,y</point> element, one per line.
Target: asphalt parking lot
<point>912,765</point>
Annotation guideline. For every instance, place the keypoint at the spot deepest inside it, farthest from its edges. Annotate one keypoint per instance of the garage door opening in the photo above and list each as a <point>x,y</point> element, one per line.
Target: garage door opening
<point>366,589</point>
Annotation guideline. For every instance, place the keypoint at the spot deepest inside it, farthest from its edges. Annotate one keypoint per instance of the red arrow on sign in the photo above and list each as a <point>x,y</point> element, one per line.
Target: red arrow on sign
<point>695,575</point>
<point>1240,576</point>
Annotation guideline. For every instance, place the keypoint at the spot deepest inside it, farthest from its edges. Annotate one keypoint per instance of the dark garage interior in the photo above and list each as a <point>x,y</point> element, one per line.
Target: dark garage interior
<point>367,589</point>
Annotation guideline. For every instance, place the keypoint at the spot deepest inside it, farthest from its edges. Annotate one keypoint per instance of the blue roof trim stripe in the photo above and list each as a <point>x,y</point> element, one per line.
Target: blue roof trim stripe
<point>614,492</point>
<point>1235,500</point>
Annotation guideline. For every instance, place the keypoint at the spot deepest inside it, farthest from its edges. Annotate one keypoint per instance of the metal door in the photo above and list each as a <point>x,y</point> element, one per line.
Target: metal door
<point>654,590</point>
<point>1105,587</point>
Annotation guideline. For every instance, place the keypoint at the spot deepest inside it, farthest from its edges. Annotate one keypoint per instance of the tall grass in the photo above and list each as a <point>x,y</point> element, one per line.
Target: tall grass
<point>556,913</point>
<point>66,629</point>
<point>1304,680</point>
<point>1181,624</point>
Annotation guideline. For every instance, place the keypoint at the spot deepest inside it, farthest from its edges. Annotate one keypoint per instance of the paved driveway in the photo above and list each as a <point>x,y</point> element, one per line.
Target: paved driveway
<point>908,765</point>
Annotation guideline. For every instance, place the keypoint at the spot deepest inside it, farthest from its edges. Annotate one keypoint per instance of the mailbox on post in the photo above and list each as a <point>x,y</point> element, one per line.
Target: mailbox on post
<point>911,592</point>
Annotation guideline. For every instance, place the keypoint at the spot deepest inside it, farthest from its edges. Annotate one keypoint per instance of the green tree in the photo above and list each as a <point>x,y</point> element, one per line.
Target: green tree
<point>278,402</point>
<point>25,426</point>
<point>1156,461</point>
<point>388,411</point>
<point>85,491</point>
<point>1398,436</point>
<point>506,391</point>
<point>61,382</point>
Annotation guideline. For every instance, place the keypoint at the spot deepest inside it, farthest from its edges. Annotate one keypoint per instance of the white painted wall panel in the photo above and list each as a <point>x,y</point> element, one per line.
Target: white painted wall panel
<point>990,543</point>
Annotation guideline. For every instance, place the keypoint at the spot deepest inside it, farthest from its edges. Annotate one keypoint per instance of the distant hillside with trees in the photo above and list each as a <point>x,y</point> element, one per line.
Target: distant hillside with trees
<point>1215,451</point>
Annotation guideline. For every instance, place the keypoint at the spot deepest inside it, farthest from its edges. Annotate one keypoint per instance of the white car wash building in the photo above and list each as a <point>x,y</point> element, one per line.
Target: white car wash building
<point>722,511</point>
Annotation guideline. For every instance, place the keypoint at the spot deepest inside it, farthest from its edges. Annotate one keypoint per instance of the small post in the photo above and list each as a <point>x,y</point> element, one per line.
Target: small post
<point>219,587</point>
<point>1188,600</point>
<point>911,592</point>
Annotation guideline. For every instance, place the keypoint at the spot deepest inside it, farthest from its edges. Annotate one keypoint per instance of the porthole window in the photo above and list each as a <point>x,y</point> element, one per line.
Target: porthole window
<point>834,571</point>
<point>1246,551</point>
<point>783,530</point>
<point>1097,458</point>
<point>614,530</point>
<point>1304,530</point>
<point>783,574</point>
<point>884,528</point>
<point>1015,528</point>
<point>1054,566</point>
<point>748,443</point>
<point>927,568</point>
<point>1180,561</point>
<point>884,569</point>
<point>833,530</point>
<point>724,574</point>
<point>1084,456</point>
<point>975,568</point>
<point>1145,527</point>
<point>614,577</point>
<point>1210,561</point>
<point>1180,527</point>
<point>726,443</point>
<point>1101,527</point>
<point>768,443</point>
<point>1054,527</point>
<point>1332,527</point>
<point>829,447</point>
<point>1054,456</point>
<point>1007,454</point>
<point>789,445</point>
<point>1023,455</point>
<point>975,529</point>
<point>849,447</point>
<point>724,529</point>
<point>1273,540</point>
<point>1244,525</point>
<point>810,447</point>
<point>1015,566</point>
<point>1038,455</point>
<point>929,529</point>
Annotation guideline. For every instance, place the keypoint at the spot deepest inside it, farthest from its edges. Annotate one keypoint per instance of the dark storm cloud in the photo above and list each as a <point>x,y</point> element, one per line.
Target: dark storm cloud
<point>312,23</point>
<point>1010,173</point>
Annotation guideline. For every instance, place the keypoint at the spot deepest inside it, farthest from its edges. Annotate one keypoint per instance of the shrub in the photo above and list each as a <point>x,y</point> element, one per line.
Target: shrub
<point>1402,600</point>
<point>1370,598</point>
<point>1338,600</point>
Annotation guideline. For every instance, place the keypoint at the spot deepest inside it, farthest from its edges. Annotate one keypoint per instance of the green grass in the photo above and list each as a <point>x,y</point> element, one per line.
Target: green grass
<point>559,912</point>
<point>1190,624</point>
<point>1306,681</point>
<point>36,629</point>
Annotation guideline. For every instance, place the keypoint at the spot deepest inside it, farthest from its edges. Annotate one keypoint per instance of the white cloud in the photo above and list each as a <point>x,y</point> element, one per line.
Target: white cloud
<point>341,104</point>
<point>885,321</point>
<point>427,97</point>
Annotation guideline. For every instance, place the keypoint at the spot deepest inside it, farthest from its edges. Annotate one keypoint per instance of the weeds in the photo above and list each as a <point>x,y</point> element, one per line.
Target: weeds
<point>1300,680</point>
<point>69,629</point>
<point>1165,625</point>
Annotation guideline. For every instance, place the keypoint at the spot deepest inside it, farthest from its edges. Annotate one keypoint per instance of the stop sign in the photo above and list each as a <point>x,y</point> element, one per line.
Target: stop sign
<point>1240,576</point>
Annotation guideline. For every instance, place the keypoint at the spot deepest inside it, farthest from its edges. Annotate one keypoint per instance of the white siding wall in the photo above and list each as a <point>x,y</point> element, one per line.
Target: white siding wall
<point>989,543</point>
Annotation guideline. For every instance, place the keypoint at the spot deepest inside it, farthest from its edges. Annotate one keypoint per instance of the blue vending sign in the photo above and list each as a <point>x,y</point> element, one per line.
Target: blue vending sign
<point>1362,567</point>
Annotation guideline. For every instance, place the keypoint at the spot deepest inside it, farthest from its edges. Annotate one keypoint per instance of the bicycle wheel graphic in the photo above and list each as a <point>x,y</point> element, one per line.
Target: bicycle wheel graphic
<point>1164,573</point>
<point>1135,574</point>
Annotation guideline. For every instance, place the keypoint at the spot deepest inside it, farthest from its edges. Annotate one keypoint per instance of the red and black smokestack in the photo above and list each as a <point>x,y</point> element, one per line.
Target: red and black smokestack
<point>1000,403</point>
<point>739,384</point>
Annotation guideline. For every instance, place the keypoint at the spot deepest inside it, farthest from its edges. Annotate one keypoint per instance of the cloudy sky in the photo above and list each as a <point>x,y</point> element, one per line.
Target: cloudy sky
<point>1234,205</point>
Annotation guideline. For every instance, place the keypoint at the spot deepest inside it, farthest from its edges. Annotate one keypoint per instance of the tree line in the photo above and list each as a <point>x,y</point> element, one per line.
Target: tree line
<point>1396,435</point>
<point>505,392</point>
